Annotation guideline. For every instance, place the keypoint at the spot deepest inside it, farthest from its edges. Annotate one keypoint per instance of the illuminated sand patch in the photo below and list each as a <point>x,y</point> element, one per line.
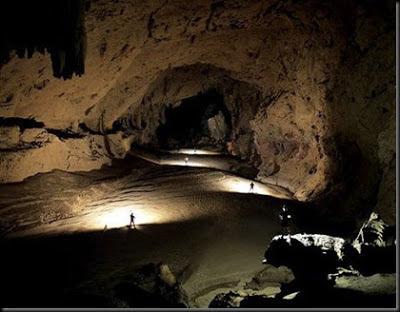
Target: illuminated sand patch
<point>235,184</point>
<point>192,151</point>
<point>117,216</point>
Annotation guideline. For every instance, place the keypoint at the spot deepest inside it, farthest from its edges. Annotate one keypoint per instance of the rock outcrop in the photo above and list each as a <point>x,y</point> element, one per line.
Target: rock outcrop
<point>311,257</point>
<point>317,260</point>
<point>25,152</point>
<point>328,271</point>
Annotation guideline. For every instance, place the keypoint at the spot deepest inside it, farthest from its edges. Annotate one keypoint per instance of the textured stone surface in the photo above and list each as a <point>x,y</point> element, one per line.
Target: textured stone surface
<point>39,151</point>
<point>9,137</point>
<point>305,82</point>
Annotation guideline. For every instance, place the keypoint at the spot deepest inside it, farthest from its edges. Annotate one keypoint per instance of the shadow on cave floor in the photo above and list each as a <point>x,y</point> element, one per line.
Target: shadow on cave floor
<point>323,298</point>
<point>196,220</point>
<point>82,201</point>
<point>191,220</point>
<point>46,271</point>
<point>82,269</point>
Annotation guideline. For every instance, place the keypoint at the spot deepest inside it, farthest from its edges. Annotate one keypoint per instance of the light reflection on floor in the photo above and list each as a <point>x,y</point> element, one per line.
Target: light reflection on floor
<point>117,216</point>
<point>185,216</point>
<point>112,210</point>
<point>209,159</point>
<point>192,151</point>
<point>159,195</point>
<point>234,184</point>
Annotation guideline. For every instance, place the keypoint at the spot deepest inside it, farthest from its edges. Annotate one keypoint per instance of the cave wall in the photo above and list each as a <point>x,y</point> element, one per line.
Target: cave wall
<point>26,152</point>
<point>363,109</point>
<point>296,60</point>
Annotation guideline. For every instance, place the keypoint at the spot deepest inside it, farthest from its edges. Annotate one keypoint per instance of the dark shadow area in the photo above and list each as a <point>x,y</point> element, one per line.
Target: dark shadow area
<point>187,124</point>
<point>374,259</point>
<point>149,283</point>
<point>49,271</point>
<point>84,269</point>
<point>138,298</point>
<point>313,218</point>
<point>323,298</point>
<point>57,27</point>
<point>22,123</point>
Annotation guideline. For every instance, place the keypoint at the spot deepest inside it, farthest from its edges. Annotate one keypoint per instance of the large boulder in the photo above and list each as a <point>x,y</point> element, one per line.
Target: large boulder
<point>318,260</point>
<point>311,257</point>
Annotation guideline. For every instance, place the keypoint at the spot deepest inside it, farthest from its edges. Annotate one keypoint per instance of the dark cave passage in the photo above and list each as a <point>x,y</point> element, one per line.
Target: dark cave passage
<point>200,120</point>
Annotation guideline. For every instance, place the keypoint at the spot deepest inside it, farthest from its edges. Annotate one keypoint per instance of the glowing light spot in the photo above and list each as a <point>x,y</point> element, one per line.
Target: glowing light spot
<point>193,151</point>
<point>234,184</point>
<point>239,185</point>
<point>114,216</point>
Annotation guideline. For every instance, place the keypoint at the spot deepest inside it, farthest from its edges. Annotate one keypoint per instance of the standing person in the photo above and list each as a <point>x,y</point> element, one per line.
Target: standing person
<point>285,219</point>
<point>186,160</point>
<point>132,221</point>
<point>251,187</point>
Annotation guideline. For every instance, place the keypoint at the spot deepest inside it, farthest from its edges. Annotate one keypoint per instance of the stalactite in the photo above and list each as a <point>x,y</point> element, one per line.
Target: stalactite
<point>57,27</point>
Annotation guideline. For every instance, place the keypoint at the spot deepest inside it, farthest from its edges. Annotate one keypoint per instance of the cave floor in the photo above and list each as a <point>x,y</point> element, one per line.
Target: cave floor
<point>64,232</point>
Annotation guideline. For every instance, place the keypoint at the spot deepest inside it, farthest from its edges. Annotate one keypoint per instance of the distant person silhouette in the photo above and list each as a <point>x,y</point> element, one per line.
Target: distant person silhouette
<point>186,160</point>
<point>285,219</point>
<point>251,187</point>
<point>132,221</point>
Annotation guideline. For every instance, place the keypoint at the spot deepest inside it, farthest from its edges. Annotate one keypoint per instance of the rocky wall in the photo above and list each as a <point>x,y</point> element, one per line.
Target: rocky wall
<point>363,111</point>
<point>318,77</point>
<point>26,152</point>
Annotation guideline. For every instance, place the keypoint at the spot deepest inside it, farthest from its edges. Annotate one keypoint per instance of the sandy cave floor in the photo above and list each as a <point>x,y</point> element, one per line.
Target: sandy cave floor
<point>66,231</point>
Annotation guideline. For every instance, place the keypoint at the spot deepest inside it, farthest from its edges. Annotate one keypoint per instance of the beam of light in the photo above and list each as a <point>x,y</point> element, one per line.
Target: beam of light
<point>215,161</point>
<point>193,151</point>
<point>241,185</point>
<point>237,185</point>
<point>106,216</point>
<point>192,163</point>
<point>117,216</point>
<point>234,184</point>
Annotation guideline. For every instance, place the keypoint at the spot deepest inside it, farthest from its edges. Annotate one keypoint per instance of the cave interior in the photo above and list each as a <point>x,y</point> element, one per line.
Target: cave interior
<point>198,154</point>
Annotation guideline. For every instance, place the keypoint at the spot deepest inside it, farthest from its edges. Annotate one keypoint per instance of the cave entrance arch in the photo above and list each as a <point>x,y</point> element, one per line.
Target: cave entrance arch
<point>202,120</point>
